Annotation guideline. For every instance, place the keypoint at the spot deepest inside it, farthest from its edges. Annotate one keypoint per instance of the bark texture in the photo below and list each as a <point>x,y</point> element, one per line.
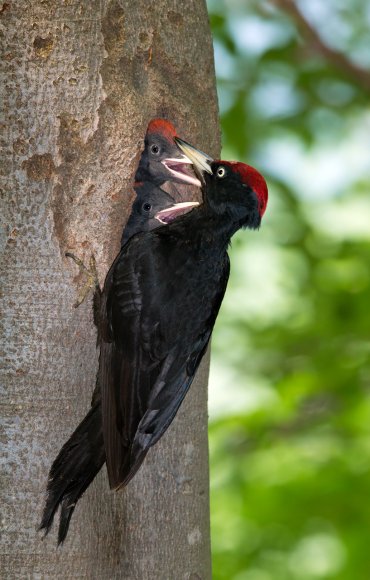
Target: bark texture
<point>81,79</point>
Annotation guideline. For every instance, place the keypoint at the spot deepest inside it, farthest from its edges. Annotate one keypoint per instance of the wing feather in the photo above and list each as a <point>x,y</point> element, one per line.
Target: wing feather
<point>151,359</point>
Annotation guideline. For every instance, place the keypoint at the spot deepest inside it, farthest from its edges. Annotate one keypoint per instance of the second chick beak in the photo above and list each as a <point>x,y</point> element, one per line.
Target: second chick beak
<point>166,216</point>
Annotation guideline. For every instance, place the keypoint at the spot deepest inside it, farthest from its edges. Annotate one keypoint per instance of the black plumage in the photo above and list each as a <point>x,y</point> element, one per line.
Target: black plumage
<point>83,455</point>
<point>166,290</point>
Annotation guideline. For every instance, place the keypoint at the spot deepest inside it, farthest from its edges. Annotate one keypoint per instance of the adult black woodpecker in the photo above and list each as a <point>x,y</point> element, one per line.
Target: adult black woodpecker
<point>161,305</point>
<point>83,455</point>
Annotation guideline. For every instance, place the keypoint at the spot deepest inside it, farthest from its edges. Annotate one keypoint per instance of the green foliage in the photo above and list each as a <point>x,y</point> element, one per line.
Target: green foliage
<point>290,377</point>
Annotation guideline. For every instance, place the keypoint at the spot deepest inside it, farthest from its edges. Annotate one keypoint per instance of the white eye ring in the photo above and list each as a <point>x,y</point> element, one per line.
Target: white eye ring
<point>221,172</point>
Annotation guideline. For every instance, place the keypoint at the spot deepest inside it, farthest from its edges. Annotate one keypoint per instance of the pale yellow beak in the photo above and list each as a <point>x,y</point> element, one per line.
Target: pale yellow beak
<point>201,161</point>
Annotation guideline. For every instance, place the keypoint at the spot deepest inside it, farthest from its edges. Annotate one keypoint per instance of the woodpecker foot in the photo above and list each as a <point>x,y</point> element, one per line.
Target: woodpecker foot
<point>92,282</point>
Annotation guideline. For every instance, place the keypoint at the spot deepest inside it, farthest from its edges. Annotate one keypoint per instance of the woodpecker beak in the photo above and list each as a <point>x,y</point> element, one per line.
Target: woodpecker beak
<point>201,161</point>
<point>166,216</point>
<point>178,167</point>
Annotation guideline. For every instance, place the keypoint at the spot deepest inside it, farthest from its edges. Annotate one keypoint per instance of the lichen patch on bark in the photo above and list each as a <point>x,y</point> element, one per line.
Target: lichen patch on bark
<point>39,167</point>
<point>43,46</point>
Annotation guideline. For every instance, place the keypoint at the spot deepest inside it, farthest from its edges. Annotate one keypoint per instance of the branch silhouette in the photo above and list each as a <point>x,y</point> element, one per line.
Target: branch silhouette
<point>358,74</point>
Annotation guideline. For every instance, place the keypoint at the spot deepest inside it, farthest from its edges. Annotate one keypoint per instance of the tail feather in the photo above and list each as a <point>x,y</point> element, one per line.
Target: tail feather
<point>75,467</point>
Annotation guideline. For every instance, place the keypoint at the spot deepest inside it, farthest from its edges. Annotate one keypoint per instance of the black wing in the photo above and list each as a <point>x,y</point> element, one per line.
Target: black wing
<point>160,322</point>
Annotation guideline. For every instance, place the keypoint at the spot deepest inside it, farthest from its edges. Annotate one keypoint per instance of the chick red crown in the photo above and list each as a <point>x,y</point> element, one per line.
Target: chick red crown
<point>162,127</point>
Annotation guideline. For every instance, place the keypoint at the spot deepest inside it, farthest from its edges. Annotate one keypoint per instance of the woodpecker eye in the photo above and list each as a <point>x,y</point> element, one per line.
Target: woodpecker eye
<point>221,172</point>
<point>154,149</point>
<point>147,207</point>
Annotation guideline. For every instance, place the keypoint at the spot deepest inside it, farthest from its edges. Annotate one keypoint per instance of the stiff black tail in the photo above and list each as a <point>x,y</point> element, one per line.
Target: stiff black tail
<point>76,465</point>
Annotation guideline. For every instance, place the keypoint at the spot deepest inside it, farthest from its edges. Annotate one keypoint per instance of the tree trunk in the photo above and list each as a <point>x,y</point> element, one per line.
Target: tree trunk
<point>82,81</point>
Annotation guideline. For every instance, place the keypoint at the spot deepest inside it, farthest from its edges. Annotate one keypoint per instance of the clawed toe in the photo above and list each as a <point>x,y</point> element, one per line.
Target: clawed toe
<point>92,282</point>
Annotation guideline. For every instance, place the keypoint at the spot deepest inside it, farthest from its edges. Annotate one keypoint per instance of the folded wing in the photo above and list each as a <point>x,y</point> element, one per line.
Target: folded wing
<point>158,331</point>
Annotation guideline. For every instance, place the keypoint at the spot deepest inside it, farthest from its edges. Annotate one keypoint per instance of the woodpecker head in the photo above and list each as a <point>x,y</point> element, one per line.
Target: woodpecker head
<point>238,190</point>
<point>230,188</point>
<point>150,202</point>
<point>161,159</point>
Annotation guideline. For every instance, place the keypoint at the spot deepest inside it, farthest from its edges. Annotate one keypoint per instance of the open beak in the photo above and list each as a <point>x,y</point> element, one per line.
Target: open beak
<point>178,167</point>
<point>201,161</point>
<point>166,216</point>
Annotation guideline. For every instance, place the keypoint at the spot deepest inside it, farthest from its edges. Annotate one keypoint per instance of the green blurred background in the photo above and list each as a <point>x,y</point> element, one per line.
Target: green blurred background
<point>290,374</point>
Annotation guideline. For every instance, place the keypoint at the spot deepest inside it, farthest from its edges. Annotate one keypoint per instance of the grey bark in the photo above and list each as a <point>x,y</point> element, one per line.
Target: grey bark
<point>80,82</point>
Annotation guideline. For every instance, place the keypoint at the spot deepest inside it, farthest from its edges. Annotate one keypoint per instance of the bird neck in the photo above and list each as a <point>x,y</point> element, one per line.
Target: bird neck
<point>202,228</point>
<point>212,229</point>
